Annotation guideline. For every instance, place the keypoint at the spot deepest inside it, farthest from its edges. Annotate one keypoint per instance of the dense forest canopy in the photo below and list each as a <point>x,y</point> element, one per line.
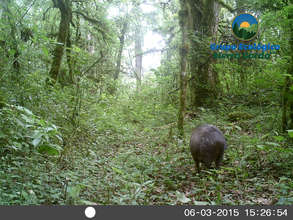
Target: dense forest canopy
<point>98,100</point>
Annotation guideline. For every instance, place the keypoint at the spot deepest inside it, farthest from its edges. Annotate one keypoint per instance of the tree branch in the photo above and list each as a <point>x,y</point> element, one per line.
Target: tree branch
<point>224,5</point>
<point>96,62</point>
<point>91,20</point>
<point>28,9</point>
<point>95,22</point>
<point>154,50</point>
<point>44,14</point>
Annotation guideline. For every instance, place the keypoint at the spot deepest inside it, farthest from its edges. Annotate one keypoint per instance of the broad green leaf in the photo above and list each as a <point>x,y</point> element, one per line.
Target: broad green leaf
<point>2,135</point>
<point>11,52</point>
<point>290,97</point>
<point>20,123</point>
<point>37,139</point>
<point>73,191</point>
<point>49,149</point>
<point>59,137</point>
<point>260,146</point>
<point>20,108</point>
<point>182,198</point>
<point>147,182</point>
<point>285,201</point>
<point>27,111</point>
<point>279,138</point>
<point>27,119</point>
<point>16,146</point>
<point>117,170</point>
<point>200,203</point>
<point>290,132</point>
<point>49,129</point>
<point>45,51</point>
<point>238,128</point>
<point>273,144</point>
<point>86,202</point>
<point>25,195</point>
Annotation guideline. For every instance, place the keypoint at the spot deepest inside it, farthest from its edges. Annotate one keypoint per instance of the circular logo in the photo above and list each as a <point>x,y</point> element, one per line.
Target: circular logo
<point>245,27</point>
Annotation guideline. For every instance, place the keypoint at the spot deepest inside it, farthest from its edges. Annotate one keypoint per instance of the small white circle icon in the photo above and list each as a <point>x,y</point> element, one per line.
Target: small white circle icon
<point>90,212</point>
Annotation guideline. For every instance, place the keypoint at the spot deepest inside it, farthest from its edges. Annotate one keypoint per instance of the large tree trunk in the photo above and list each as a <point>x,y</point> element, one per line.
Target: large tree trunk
<point>65,9</point>
<point>287,93</point>
<point>185,22</point>
<point>213,22</point>
<point>204,83</point>
<point>290,17</point>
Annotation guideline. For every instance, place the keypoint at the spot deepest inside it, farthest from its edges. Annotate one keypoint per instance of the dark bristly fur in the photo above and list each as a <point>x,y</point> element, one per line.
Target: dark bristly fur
<point>207,145</point>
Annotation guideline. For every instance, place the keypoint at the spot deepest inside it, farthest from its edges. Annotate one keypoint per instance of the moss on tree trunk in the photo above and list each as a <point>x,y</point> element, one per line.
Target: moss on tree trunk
<point>204,82</point>
<point>287,96</point>
<point>185,23</point>
<point>65,10</point>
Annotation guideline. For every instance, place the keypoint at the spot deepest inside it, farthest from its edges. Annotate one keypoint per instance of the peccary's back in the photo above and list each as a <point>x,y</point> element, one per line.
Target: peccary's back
<point>207,144</point>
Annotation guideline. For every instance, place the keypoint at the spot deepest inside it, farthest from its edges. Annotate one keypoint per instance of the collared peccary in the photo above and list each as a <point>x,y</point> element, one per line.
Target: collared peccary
<point>207,145</point>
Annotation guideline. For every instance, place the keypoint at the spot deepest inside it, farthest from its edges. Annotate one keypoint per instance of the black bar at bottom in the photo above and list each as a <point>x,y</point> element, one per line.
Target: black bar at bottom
<point>143,212</point>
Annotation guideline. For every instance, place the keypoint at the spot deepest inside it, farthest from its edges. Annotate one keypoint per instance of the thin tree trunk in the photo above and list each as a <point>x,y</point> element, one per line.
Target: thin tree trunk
<point>69,57</point>
<point>14,45</point>
<point>285,103</point>
<point>121,46</point>
<point>138,55</point>
<point>242,64</point>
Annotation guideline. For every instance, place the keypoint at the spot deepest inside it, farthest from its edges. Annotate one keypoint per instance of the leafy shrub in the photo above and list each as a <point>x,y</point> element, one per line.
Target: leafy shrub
<point>22,131</point>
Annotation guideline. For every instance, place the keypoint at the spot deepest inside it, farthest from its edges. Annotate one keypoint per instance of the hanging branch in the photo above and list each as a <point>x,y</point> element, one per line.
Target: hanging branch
<point>44,14</point>
<point>27,10</point>
<point>224,5</point>
<point>93,64</point>
<point>93,21</point>
<point>154,50</point>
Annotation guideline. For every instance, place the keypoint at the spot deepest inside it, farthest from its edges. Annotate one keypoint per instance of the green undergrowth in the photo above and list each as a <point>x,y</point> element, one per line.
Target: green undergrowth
<point>126,151</point>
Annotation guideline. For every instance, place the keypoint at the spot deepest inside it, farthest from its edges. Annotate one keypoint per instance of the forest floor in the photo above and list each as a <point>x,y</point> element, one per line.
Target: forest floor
<point>131,155</point>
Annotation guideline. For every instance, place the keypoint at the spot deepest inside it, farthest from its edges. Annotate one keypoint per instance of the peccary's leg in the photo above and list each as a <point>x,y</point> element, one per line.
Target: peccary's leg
<point>217,163</point>
<point>208,164</point>
<point>219,159</point>
<point>197,166</point>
